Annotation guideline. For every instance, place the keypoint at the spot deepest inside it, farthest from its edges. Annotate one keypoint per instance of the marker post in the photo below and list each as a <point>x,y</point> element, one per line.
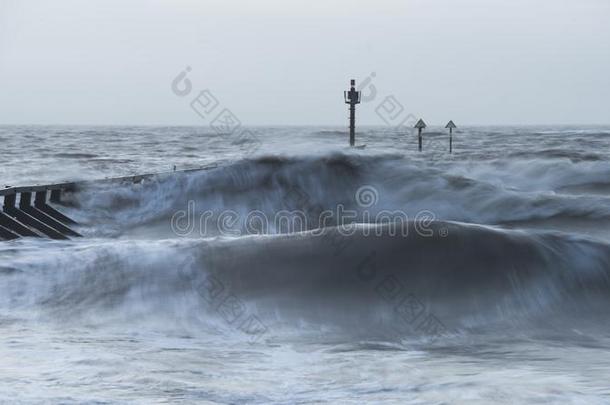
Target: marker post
<point>352,97</point>
<point>450,125</point>
<point>420,127</point>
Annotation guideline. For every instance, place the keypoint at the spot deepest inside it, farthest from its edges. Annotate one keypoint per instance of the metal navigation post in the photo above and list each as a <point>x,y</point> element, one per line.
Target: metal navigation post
<point>352,97</point>
<point>450,125</point>
<point>420,126</point>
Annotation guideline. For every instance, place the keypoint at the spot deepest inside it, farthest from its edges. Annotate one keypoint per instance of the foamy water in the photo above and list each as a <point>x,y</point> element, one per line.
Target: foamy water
<point>490,284</point>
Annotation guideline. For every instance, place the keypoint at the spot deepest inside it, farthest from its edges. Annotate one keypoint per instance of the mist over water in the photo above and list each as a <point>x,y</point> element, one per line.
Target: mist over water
<point>495,287</point>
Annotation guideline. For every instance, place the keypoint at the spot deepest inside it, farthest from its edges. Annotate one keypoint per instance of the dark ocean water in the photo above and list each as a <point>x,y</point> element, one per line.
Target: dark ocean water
<point>296,270</point>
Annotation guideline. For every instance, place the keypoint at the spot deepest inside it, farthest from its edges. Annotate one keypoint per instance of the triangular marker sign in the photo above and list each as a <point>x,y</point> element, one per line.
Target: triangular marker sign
<point>451,125</point>
<point>420,124</point>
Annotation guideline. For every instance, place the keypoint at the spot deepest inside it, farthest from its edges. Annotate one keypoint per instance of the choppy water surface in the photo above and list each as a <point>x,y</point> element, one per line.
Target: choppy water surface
<point>491,283</point>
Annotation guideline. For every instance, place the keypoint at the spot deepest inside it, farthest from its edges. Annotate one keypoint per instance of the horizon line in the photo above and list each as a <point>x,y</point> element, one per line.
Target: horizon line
<point>296,125</point>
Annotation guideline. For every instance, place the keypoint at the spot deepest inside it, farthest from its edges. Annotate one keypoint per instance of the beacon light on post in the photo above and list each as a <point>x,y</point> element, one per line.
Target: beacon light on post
<point>352,97</point>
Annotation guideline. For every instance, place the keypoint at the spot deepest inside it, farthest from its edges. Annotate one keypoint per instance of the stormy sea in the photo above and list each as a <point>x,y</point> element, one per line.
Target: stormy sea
<point>279,266</point>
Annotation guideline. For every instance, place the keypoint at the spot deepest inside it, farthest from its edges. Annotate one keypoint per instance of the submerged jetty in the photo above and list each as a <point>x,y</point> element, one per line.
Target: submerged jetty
<point>20,216</point>
<point>31,211</point>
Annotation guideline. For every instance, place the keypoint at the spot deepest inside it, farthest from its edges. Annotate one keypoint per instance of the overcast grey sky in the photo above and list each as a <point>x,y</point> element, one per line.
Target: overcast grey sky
<point>288,61</point>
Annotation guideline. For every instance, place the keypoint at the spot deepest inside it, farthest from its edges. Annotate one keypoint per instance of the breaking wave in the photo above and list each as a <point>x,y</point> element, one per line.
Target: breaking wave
<point>456,274</point>
<point>457,278</point>
<point>497,193</point>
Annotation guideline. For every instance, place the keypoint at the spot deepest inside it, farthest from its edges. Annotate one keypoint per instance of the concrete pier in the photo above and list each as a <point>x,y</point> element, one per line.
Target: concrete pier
<point>22,217</point>
<point>16,227</point>
<point>6,234</point>
<point>40,202</point>
<point>25,205</point>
